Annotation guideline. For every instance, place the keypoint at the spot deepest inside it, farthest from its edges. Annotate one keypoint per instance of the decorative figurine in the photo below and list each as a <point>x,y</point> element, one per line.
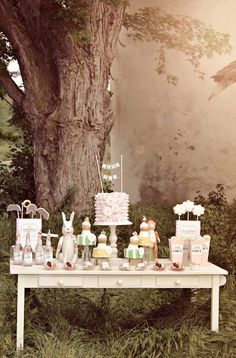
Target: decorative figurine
<point>67,242</point>
<point>133,252</point>
<point>155,239</point>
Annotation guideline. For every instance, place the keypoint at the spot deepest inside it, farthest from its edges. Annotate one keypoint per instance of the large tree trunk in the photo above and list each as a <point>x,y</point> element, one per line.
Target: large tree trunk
<point>66,100</point>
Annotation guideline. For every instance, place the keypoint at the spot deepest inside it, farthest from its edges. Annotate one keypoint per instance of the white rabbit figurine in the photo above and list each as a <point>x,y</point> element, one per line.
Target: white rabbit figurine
<point>67,242</point>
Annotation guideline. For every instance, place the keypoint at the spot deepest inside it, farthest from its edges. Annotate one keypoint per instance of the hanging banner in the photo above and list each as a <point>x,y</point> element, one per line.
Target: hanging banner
<point>109,177</point>
<point>110,166</point>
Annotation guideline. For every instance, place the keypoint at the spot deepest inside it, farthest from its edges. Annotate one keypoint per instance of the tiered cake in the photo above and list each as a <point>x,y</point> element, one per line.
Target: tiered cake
<point>112,208</point>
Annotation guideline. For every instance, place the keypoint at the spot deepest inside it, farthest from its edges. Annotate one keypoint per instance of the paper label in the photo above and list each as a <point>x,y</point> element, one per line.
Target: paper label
<point>205,246</point>
<point>105,265</point>
<point>177,248</point>
<point>31,225</point>
<point>17,256</point>
<point>48,256</point>
<point>196,249</point>
<point>39,257</point>
<point>188,228</point>
<point>28,258</point>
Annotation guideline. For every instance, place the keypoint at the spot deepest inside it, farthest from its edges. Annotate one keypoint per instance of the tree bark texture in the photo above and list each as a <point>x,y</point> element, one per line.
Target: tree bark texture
<point>66,99</point>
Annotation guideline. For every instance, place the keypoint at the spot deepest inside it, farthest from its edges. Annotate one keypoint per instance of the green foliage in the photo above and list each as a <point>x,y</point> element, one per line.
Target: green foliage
<point>219,221</point>
<point>6,54</point>
<point>8,135</point>
<point>73,18</point>
<point>190,36</point>
<point>17,178</point>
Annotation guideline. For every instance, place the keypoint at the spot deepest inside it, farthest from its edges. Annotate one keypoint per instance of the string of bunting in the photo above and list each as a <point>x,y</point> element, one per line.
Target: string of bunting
<point>109,177</point>
<point>111,166</point>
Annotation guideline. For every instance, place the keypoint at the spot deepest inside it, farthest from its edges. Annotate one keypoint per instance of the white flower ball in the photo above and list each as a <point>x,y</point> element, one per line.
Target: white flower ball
<point>179,209</point>
<point>198,210</point>
<point>188,205</point>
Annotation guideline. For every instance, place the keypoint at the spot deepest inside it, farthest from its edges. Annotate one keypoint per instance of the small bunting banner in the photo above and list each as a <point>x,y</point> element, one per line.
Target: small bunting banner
<point>110,166</point>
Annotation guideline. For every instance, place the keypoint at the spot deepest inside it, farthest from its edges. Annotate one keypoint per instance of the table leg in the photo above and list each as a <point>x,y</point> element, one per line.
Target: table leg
<point>215,293</point>
<point>20,313</point>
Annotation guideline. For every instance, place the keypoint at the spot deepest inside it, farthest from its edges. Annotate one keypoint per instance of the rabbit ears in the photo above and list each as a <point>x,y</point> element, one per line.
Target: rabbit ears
<point>71,216</point>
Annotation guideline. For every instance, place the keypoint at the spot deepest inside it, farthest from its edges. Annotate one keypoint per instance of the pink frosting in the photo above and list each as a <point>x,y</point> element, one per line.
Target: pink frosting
<point>111,207</point>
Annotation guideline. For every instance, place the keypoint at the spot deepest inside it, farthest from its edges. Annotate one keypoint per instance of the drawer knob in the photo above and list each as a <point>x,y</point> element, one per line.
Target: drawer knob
<point>60,282</point>
<point>119,282</point>
<point>177,282</point>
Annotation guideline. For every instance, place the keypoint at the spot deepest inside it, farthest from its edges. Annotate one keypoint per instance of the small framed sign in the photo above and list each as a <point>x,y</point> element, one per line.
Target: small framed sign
<point>188,228</point>
<point>31,225</point>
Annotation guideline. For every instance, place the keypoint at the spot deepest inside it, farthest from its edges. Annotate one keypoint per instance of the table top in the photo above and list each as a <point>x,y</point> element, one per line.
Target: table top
<point>210,269</point>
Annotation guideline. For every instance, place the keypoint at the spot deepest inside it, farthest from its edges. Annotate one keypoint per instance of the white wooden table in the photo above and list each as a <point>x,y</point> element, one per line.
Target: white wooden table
<point>210,276</point>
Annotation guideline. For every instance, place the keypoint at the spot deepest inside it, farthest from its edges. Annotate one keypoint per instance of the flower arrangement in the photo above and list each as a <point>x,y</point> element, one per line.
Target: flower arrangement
<point>188,206</point>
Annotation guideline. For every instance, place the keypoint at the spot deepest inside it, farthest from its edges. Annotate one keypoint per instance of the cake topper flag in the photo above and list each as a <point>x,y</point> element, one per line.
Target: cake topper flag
<point>110,167</point>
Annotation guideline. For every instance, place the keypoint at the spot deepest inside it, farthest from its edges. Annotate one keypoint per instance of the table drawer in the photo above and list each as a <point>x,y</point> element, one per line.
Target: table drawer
<point>177,281</point>
<point>120,281</point>
<point>60,281</point>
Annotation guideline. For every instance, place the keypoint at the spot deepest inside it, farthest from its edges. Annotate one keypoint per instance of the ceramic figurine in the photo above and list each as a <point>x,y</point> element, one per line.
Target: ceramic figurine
<point>154,237</point>
<point>67,243</point>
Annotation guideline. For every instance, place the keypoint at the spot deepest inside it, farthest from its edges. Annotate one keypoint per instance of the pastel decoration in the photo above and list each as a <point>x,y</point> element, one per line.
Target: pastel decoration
<point>179,210</point>
<point>86,238</point>
<point>198,210</point>
<point>102,250</point>
<point>133,251</point>
<point>188,205</point>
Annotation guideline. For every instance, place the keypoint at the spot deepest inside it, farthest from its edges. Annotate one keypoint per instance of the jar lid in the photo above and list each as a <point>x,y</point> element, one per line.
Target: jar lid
<point>86,224</point>
<point>102,238</point>
<point>144,224</point>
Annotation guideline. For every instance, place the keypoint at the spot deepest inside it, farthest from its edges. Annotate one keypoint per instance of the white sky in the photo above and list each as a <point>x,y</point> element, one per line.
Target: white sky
<point>14,67</point>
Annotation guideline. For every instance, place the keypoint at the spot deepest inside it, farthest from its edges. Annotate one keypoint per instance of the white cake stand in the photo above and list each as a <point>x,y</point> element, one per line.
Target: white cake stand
<point>113,237</point>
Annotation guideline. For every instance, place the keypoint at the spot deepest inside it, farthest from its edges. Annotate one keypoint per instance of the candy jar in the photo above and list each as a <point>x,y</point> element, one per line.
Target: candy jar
<point>145,240</point>
<point>86,239</point>
<point>102,252</point>
<point>133,252</point>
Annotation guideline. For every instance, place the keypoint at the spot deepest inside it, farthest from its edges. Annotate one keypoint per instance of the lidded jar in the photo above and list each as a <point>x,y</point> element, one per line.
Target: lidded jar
<point>134,239</point>
<point>102,238</point>
<point>144,238</point>
<point>86,224</point>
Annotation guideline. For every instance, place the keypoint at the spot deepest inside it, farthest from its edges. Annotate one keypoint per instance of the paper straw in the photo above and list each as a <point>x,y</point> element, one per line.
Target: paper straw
<point>121,173</point>
<point>99,173</point>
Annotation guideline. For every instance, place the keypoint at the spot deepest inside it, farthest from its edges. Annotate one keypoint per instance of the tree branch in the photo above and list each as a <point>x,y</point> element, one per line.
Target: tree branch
<point>12,89</point>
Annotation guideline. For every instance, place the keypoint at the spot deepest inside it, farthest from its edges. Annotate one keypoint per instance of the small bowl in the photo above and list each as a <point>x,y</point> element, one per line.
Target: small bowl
<point>177,268</point>
<point>50,265</point>
<point>69,266</point>
<point>161,268</point>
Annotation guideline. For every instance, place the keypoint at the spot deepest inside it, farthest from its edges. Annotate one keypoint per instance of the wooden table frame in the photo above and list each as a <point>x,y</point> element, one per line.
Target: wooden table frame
<point>210,276</point>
